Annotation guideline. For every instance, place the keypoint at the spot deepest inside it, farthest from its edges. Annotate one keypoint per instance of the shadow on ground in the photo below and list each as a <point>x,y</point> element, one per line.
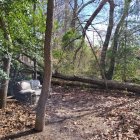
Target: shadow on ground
<point>84,114</point>
<point>20,134</point>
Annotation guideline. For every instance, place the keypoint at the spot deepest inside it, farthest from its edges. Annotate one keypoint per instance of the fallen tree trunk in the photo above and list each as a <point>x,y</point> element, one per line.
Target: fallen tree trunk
<point>109,83</point>
<point>73,84</point>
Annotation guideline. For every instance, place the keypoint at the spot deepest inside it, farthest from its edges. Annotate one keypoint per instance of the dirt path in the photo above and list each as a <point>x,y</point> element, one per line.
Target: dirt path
<point>76,114</point>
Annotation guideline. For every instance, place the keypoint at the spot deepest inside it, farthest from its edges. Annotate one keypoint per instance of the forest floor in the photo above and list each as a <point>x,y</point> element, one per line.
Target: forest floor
<point>76,114</point>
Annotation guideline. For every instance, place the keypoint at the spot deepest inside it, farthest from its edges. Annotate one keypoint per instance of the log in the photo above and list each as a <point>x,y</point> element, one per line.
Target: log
<point>110,83</point>
<point>73,84</point>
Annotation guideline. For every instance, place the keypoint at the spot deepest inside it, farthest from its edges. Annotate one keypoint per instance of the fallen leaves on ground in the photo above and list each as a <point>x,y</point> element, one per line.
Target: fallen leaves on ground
<point>15,117</point>
<point>74,113</point>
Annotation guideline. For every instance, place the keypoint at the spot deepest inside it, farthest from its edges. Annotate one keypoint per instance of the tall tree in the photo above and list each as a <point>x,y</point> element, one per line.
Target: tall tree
<point>6,63</point>
<point>115,42</point>
<point>108,36</point>
<point>40,115</point>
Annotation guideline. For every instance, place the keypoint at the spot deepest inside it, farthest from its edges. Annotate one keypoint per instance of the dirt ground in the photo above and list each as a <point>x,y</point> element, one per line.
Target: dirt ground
<point>76,114</point>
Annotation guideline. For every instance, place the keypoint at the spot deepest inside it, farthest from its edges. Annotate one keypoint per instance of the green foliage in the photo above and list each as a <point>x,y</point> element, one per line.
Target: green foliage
<point>84,64</point>
<point>67,39</point>
<point>68,35</point>
<point>26,27</point>
<point>57,53</point>
<point>62,61</point>
<point>56,25</point>
<point>130,70</point>
<point>3,75</point>
<point>127,63</point>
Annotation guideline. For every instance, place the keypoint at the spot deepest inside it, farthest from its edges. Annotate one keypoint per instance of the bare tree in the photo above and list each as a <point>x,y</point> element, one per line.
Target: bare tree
<point>108,35</point>
<point>110,72</point>
<point>40,115</point>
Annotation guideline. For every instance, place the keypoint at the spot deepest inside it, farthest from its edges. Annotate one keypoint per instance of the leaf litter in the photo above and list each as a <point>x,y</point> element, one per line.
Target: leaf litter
<point>77,114</point>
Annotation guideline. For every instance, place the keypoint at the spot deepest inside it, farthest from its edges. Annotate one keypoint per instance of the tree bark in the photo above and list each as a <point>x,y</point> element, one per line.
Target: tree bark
<point>74,14</point>
<point>66,15</point>
<point>108,35</point>
<point>35,69</point>
<point>73,22</point>
<point>110,71</point>
<point>40,115</point>
<point>110,84</point>
<point>5,82</point>
<point>34,32</point>
<point>73,84</point>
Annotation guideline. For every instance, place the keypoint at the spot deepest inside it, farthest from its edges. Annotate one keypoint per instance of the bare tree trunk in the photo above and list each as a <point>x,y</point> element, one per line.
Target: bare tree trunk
<point>5,82</point>
<point>73,21</point>
<point>125,57</point>
<point>40,115</point>
<point>34,32</point>
<point>74,15</point>
<point>35,69</point>
<point>108,35</point>
<point>110,72</point>
<point>66,15</point>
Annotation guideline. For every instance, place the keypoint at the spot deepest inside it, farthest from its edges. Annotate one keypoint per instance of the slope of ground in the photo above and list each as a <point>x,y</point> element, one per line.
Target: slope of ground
<point>76,114</point>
